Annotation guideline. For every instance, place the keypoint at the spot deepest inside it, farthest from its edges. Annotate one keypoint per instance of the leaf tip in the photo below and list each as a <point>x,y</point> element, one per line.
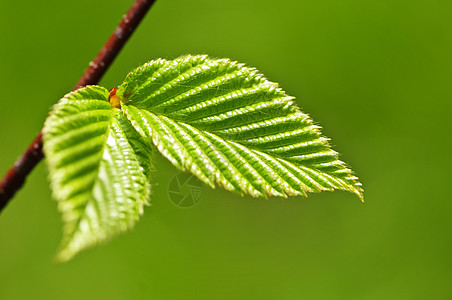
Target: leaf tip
<point>65,253</point>
<point>358,191</point>
<point>360,195</point>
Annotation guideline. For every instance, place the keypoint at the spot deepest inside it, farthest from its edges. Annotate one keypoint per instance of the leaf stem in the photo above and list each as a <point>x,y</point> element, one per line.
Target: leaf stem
<point>15,177</point>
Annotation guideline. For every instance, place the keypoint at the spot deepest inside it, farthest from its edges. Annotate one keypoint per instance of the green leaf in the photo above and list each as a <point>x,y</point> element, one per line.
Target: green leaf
<point>229,126</point>
<point>98,166</point>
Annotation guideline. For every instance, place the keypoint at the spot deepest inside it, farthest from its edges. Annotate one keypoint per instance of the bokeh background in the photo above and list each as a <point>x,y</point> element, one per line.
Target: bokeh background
<point>375,74</point>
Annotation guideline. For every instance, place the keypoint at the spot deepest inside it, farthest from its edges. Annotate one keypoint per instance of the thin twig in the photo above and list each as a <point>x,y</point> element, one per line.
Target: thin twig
<point>15,177</point>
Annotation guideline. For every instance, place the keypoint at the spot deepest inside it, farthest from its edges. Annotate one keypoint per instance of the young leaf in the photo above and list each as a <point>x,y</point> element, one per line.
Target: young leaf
<point>98,166</point>
<point>228,125</point>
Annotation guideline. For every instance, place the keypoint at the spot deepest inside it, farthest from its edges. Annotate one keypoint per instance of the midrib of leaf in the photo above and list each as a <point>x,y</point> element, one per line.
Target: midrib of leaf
<point>229,164</point>
<point>76,236</point>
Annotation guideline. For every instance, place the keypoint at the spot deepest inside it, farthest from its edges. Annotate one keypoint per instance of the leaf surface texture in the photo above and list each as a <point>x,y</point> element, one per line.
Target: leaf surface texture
<point>216,118</point>
<point>98,166</point>
<point>228,125</point>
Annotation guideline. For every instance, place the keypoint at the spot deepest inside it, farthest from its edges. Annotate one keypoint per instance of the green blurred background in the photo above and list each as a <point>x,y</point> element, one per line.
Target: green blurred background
<point>375,74</point>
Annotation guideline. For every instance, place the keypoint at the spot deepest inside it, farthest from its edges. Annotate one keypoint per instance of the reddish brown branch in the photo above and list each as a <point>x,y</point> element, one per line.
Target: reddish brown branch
<point>15,177</point>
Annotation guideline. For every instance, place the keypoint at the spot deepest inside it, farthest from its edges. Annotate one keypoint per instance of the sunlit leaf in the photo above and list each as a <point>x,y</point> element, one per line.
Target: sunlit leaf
<point>230,126</point>
<point>98,167</point>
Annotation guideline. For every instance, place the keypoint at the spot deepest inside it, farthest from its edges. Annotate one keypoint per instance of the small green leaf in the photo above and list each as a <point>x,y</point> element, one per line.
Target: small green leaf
<point>98,166</point>
<point>229,126</point>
